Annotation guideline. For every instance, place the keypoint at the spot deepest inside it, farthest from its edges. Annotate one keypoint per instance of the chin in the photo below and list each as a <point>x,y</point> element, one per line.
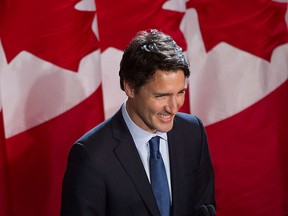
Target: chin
<point>164,129</point>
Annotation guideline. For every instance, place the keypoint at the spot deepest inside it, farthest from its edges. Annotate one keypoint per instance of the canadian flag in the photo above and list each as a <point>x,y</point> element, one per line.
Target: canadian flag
<point>50,94</point>
<point>59,63</point>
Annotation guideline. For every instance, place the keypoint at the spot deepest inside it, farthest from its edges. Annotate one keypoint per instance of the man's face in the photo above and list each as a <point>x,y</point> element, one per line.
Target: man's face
<point>155,105</point>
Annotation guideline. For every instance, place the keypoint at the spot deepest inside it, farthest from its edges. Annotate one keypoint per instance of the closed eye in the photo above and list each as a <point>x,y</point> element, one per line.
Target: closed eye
<point>162,95</point>
<point>182,91</point>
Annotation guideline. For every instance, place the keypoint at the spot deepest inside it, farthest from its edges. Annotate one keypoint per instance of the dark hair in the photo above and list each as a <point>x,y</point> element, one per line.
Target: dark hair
<point>148,51</point>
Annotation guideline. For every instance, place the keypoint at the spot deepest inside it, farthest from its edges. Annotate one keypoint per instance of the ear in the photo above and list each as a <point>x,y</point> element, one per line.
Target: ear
<point>129,90</point>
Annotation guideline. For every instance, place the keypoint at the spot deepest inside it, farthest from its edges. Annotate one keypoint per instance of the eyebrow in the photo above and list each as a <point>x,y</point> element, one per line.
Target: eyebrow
<point>167,94</point>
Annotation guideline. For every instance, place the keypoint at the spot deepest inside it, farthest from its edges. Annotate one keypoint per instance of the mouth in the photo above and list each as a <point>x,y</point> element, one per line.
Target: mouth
<point>166,117</point>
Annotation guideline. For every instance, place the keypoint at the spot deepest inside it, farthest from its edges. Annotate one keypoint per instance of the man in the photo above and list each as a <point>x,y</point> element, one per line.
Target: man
<point>116,170</point>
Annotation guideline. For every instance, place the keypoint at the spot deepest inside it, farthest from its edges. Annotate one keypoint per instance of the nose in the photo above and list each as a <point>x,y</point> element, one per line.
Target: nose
<point>173,105</point>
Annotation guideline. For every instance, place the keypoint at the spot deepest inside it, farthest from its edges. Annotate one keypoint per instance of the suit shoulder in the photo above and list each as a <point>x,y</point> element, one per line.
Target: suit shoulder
<point>188,119</point>
<point>106,134</point>
<point>188,122</point>
<point>95,133</point>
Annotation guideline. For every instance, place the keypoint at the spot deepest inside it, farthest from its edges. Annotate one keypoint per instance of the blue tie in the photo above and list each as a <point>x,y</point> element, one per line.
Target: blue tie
<point>158,178</point>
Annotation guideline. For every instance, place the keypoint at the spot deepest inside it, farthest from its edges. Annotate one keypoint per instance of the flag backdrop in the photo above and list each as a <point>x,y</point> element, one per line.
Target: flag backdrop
<point>59,63</point>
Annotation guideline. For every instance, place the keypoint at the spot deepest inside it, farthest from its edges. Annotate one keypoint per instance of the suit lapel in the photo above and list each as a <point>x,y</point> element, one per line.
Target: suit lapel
<point>128,156</point>
<point>177,164</point>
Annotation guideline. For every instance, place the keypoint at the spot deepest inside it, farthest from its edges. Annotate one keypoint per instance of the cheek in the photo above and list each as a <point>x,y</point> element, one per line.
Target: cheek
<point>152,108</point>
<point>146,107</point>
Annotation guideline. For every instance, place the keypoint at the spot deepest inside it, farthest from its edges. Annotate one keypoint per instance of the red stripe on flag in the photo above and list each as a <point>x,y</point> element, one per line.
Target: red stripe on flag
<point>249,153</point>
<point>4,183</point>
<point>37,157</point>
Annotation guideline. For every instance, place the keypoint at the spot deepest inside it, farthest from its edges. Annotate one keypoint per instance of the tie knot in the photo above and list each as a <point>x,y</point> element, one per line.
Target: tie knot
<point>154,146</point>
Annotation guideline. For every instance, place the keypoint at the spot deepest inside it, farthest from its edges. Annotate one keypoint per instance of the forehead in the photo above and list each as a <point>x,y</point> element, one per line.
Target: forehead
<point>167,80</point>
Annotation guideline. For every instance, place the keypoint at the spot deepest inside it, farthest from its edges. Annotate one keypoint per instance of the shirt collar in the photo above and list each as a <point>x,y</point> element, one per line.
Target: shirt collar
<point>139,135</point>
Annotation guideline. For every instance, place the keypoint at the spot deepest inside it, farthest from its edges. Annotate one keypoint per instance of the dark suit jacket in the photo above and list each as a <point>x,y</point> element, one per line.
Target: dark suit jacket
<point>105,175</point>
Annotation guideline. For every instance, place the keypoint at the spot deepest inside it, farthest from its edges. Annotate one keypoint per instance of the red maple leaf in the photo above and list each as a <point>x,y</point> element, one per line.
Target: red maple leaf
<point>52,30</point>
<point>256,26</point>
<point>118,24</point>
